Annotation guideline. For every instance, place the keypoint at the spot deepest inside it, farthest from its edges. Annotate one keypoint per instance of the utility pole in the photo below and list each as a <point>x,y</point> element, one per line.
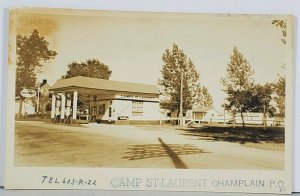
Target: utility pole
<point>38,99</point>
<point>224,113</point>
<point>265,117</point>
<point>181,101</point>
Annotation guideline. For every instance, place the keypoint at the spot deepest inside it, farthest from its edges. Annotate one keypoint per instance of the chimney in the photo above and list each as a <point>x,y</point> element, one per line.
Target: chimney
<point>43,83</point>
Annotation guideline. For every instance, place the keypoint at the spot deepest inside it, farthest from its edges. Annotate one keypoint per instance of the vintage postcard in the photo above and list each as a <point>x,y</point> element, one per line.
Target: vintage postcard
<point>118,100</point>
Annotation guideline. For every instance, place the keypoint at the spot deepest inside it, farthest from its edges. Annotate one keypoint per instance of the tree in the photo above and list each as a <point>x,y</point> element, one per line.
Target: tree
<point>238,83</point>
<point>279,89</point>
<point>279,86</point>
<point>282,25</point>
<point>177,64</point>
<point>32,52</point>
<point>202,98</point>
<point>261,101</point>
<point>92,68</point>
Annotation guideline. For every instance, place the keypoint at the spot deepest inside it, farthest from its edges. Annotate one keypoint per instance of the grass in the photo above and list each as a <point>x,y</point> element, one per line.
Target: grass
<point>271,138</point>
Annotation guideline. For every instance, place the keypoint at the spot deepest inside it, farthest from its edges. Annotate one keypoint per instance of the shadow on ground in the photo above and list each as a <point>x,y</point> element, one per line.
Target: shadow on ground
<point>144,151</point>
<point>237,135</point>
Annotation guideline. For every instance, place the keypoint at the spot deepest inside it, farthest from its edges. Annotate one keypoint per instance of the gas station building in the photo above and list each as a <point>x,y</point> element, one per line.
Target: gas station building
<point>109,101</point>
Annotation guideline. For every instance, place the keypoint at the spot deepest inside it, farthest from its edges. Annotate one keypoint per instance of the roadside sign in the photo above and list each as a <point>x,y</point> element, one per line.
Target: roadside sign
<point>28,93</point>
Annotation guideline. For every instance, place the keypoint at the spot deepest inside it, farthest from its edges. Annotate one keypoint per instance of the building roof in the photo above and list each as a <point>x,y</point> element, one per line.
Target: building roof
<point>101,84</point>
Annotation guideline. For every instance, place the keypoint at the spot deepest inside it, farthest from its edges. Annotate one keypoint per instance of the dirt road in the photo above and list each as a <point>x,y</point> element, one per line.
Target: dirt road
<point>101,145</point>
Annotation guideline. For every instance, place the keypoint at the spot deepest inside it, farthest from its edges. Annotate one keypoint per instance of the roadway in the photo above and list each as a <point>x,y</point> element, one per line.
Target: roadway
<point>102,145</point>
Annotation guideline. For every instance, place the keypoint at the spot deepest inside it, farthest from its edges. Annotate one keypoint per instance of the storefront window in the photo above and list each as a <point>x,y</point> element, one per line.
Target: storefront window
<point>137,108</point>
<point>102,109</point>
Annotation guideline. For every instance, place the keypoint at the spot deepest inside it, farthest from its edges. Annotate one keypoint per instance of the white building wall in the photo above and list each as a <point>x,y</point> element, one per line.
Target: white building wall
<point>211,115</point>
<point>189,114</point>
<point>27,107</point>
<point>17,105</point>
<point>122,108</point>
<point>151,111</point>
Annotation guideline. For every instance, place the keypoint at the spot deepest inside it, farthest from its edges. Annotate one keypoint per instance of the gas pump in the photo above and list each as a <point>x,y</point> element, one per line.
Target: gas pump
<point>57,109</point>
<point>94,109</point>
<point>68,109</point>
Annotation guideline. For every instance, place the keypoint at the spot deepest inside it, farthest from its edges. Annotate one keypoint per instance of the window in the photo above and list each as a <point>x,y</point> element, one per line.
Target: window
<point>48,107</point>
<point>102,109</point>
<point>137,108</point>
<point>109,112</point>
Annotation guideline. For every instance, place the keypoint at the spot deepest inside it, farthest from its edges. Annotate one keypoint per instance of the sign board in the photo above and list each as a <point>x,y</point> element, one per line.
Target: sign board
<point>28,93</point>
<point>137,97</point>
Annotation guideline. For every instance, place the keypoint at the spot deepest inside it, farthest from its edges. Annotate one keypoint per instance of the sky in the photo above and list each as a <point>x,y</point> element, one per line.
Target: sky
<point>132,44</point>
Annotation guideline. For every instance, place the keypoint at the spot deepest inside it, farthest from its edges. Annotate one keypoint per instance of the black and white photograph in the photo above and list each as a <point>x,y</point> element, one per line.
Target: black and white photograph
<point>109,89</point>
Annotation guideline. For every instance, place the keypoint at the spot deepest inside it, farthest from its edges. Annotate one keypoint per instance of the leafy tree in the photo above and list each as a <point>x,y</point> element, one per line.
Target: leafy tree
<point>279,89</point>
<point>279,86</point>
<point>202,98</point>
<point>91,68</point>
<point>282,25</point>
<point>238,83</point>
<point>32,52</point>
<point>206,98</point>
<point>261,99</point>
<point>175,64</point>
